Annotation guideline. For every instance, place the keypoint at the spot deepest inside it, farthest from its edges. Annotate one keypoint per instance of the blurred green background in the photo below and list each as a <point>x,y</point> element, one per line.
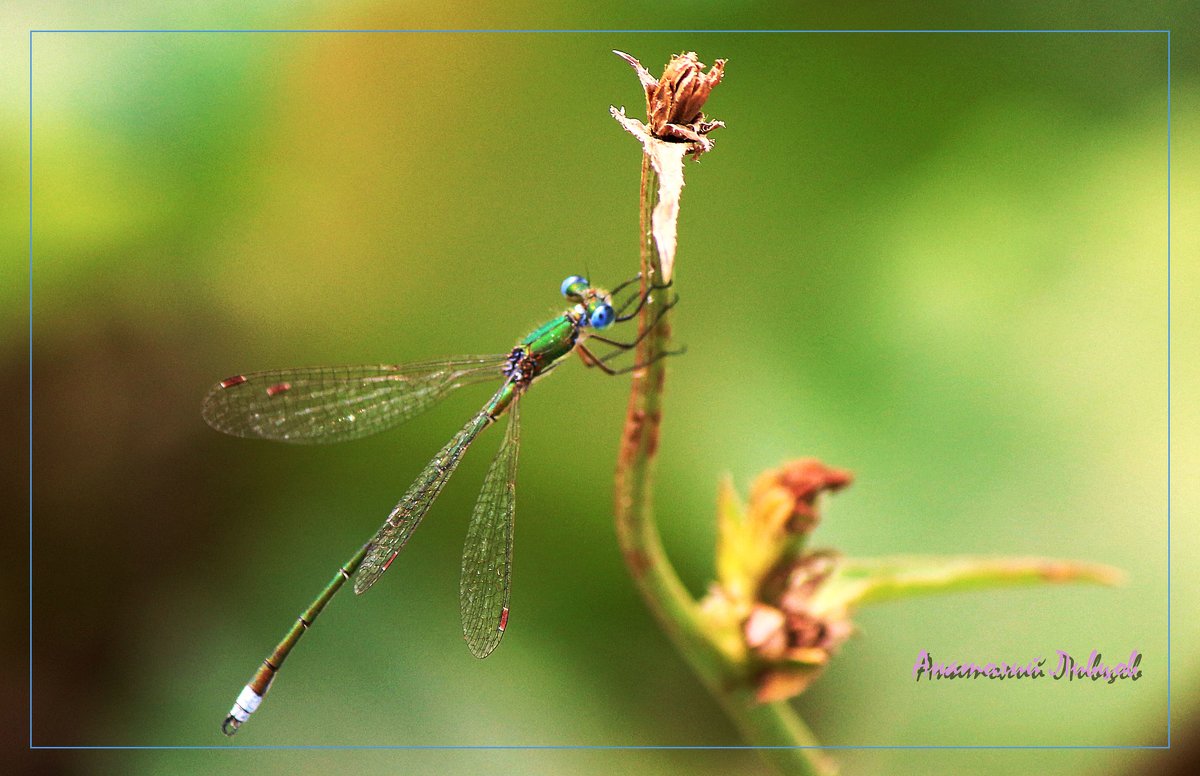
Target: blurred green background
<point>936,260</point>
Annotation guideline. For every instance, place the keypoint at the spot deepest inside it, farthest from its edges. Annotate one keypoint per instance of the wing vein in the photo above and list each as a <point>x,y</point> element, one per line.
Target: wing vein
<point>403,520</point>
<point>487,553</point>
<point>334,404</point>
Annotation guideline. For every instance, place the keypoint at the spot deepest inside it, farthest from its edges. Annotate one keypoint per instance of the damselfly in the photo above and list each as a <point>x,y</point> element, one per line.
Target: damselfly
<point>335,404</point>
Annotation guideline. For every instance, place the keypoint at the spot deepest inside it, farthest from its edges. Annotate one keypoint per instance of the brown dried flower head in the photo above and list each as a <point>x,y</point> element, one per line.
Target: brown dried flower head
<point>773,595</point>
<point>793,639</point>
<point>675,102</point>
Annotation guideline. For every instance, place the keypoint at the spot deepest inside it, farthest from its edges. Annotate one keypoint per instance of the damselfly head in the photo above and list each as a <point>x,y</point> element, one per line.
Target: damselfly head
<point>593,305</point>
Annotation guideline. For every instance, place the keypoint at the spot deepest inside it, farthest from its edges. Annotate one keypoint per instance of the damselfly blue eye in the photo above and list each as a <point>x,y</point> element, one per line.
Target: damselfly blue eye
<point>573,282</point>
<point>602,316</point>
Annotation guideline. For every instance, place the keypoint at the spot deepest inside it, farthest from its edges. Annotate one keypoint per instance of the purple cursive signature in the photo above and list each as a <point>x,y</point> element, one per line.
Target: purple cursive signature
<point>1068,667</point>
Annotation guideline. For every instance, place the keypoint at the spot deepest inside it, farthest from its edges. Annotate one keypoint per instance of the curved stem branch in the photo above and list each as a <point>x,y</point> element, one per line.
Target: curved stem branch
<point>727,676</point>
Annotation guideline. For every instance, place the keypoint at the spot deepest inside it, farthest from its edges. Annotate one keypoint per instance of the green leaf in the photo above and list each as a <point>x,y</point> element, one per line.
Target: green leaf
<point>871,580</point>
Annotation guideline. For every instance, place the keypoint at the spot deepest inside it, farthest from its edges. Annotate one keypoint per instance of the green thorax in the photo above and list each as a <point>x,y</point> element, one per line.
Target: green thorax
<point>534,355</point>
<point>553,339</point>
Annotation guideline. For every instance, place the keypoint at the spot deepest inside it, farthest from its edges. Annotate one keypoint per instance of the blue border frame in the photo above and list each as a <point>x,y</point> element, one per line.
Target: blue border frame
<point>586,746</point>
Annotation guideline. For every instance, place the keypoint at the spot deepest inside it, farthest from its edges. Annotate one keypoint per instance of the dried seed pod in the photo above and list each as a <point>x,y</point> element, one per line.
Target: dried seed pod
<point>675,101</point>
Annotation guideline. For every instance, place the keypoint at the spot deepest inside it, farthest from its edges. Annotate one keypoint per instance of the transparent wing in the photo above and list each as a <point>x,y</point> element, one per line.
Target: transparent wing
<point>487,554</point>
<point>404,519</point>
<point>335,404</point>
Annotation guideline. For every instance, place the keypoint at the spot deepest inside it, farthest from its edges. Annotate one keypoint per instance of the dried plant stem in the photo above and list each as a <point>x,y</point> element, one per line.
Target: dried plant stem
<point>722,667</point>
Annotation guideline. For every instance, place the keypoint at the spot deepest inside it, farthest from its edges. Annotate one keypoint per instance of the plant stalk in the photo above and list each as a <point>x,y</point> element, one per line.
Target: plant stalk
<point>728,677</point>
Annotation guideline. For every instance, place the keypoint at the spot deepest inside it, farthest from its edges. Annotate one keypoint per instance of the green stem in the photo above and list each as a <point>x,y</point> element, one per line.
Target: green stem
<point>729,678</point>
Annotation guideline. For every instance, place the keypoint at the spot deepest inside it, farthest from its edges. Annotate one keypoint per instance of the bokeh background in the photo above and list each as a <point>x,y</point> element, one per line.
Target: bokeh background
<point>939,261</point>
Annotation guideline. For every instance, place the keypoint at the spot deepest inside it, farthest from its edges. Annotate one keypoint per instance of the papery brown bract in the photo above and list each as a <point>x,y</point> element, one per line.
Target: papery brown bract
<point>803,481</point>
